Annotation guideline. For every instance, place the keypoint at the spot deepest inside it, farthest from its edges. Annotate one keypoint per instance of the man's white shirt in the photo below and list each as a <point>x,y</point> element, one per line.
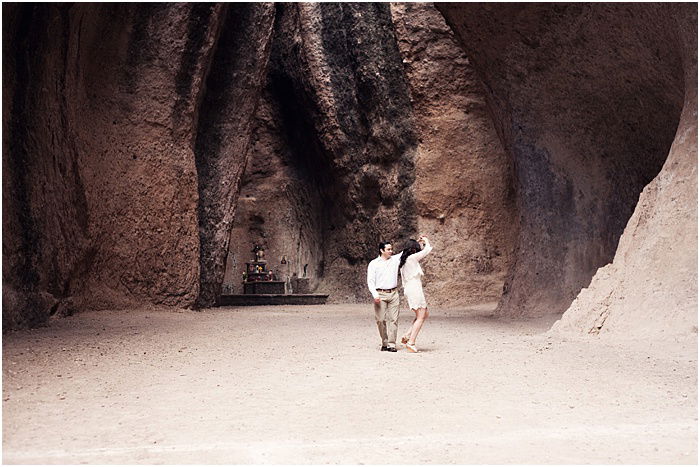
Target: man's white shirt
<point>383,273</point>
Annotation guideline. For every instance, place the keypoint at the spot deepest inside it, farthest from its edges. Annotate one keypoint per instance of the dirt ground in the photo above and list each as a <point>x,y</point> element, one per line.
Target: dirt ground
<point>308,384</point>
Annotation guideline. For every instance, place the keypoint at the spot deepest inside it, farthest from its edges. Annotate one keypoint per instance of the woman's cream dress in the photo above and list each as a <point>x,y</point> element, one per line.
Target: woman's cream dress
<point>411,273</point>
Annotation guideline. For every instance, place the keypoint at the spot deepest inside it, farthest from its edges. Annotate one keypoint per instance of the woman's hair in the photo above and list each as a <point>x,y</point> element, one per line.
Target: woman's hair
<point>411,247</point>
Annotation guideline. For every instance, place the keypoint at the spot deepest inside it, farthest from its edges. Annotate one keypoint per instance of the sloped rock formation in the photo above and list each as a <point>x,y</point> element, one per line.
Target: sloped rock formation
<point>650,288</point>
<point>587,99</point>
<point>101,116</point>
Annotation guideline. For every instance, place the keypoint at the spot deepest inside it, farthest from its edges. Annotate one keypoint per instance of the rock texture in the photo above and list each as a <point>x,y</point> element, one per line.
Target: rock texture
<point>338,134</point>
<point>44,206</point>
<point>650,288</point>
<point>464,179</point>
<point>231,95</point>
<point>101,114</point>
<point>522,152</point>
<point>587,99</point>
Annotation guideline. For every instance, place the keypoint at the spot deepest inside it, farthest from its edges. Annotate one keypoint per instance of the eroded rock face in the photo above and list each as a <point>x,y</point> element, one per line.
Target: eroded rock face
<point>127,131</point>
<point>333,160</point>
<point>463,184</point>
<point>650,288</point>
<point>355,143</point>
<point>42,186</point>
<point>231,95</point>
<point>101,117</point>
<point>587,99</point>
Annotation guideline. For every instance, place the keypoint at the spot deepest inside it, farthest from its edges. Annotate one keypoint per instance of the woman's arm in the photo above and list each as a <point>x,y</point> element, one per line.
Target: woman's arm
<point>427,248</point>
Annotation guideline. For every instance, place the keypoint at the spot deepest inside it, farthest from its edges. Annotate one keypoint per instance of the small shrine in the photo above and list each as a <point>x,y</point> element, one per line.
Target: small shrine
<point>257,278</point>
<point>262,286</point>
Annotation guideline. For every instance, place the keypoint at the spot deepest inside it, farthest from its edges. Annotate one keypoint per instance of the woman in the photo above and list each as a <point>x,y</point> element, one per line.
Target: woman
<point>411,273</point>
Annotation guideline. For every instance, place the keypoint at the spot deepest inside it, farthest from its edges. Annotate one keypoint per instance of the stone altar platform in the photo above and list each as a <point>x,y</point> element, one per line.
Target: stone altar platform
<point>272,299</point>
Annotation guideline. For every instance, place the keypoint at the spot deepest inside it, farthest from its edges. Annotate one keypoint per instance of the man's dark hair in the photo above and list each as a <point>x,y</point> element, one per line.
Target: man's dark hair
<point>383,245</point>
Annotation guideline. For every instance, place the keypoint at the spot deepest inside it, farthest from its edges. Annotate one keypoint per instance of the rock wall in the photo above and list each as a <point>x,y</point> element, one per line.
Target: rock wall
<point>332,172</point>
<point>230,98</point>
<point>44,214</point>
<point>332,169</point>
<point>522,154</point>
<point>101,114</point>
<point>587,99</point>
<point>464,179</point>
<point>651,287</point>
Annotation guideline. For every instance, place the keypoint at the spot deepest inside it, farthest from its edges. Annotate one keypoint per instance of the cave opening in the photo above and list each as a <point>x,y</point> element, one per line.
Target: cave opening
<point>281,205</point>
<point>283,200</point>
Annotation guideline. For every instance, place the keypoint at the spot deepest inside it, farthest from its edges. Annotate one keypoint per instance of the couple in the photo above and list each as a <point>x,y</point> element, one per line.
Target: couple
<point>382,280</point>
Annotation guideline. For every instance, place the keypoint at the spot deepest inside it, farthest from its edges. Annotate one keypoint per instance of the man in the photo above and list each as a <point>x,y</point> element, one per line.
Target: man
<point>382,280</point>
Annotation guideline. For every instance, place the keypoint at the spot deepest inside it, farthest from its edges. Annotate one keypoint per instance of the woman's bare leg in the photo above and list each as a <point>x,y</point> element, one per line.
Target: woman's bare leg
<point>421,315</point>
<point>407,334</point>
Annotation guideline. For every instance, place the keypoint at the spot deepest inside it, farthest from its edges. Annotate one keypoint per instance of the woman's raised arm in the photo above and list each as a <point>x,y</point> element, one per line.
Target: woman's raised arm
<point>424,252</point>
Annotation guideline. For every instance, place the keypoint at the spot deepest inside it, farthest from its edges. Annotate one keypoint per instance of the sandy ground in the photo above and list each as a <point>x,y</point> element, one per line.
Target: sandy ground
<point>308,384</point>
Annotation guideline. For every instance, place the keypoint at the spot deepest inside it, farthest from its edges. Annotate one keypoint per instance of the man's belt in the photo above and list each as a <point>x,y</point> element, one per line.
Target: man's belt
<point>386,290</point>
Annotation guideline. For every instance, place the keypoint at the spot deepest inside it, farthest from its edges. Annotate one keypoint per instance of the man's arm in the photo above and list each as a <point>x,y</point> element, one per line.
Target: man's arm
<point>371,275</point>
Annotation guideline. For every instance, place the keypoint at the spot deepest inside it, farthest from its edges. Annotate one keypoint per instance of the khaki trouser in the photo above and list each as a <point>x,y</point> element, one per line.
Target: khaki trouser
<point>386,312</point>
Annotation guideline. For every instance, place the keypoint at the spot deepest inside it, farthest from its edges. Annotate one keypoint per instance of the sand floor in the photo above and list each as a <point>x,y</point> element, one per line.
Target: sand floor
<point>308,384</point>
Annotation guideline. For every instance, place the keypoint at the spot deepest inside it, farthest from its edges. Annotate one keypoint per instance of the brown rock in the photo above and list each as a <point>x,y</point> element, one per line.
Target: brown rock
<point>463,183</point>
<point>44,206</point>
<point>313,113</point>
<point>138,74</point>
<point>231,96</point>
<point>332,165</point>
<point>650,288</point>
<point>587,99</point>
<point>127,130</point>
<point>101,116</point>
